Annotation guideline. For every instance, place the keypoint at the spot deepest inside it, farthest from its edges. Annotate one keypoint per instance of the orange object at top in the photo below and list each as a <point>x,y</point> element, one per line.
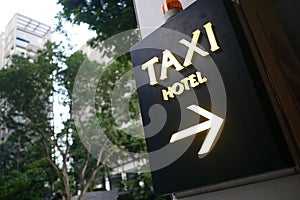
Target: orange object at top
<point>169,4</point>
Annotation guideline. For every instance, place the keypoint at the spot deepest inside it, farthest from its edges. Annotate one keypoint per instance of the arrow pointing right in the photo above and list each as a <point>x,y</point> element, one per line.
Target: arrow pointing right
<point>214,123</point>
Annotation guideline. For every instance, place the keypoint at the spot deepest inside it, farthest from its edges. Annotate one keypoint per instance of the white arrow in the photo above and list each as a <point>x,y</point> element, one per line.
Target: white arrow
<point>214,123</point>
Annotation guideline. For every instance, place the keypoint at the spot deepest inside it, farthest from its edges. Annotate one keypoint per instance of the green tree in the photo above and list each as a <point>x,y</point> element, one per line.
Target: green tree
<point>103,102</point>
<point>28,89</point>
<point>85,166</point>
<point>23,186</point>
<point>24,173</point>
<point>106,17</point>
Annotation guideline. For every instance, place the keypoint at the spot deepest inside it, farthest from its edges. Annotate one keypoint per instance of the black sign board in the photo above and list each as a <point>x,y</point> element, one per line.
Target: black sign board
<point>203,118</point>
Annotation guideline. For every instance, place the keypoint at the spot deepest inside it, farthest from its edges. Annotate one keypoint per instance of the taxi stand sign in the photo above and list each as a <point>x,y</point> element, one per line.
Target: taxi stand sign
<point>205,39</point>
<point>214,122</point>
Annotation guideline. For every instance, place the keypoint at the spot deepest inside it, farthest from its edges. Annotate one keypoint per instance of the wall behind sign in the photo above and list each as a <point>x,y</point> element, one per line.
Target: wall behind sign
<point>149,14</point>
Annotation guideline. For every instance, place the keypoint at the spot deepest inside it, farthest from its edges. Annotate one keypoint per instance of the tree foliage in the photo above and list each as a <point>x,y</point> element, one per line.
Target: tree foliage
<point>85,166</point>
<point>106,17</point>
<point>25,174</point>
<point>23,186</point>
<point>28,89</point>
<point>58,156</point>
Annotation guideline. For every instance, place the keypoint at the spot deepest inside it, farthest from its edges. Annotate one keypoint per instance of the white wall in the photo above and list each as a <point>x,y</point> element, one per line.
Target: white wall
<point>285,188</point>
<point>149,14</point>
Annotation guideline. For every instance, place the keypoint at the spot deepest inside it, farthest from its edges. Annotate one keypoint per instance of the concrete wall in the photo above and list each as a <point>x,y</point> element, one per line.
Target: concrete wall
<point>149,14</point>
<point>286,188</point>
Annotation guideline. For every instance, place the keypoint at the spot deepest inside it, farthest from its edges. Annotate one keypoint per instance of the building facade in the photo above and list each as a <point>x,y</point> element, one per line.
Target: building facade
<point>23,36</point>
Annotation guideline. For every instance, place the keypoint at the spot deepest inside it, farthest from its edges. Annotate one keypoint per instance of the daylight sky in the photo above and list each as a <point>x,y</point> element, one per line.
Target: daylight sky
<point>43,11</point>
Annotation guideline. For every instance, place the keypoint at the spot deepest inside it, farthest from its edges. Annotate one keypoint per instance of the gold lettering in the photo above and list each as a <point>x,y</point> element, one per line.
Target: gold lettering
<point>200,79</point>
<point>168,61</point>
<point>192,47</point>
<point>167,93</point>
<point>151,72</point>
<point>211,37</point>
<point>185,83</point>
<point>193,81</point>
<point>178,88</point>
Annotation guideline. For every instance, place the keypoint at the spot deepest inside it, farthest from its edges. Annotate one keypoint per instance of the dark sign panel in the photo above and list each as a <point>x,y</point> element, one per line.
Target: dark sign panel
<point>202,115</point>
